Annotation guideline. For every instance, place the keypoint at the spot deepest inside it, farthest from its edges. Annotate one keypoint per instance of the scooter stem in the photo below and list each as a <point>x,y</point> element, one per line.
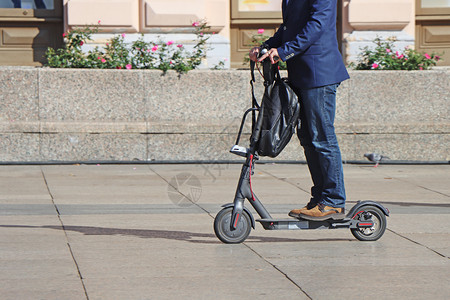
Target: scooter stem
<point>244,191</point>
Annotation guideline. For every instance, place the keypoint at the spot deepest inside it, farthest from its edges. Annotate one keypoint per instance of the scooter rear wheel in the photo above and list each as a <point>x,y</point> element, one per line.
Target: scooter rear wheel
<point>378,218</point>
<point>224,230</point>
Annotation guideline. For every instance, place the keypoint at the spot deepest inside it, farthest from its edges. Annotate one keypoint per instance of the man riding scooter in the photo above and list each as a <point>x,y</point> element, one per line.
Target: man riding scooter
<point>306,40</point>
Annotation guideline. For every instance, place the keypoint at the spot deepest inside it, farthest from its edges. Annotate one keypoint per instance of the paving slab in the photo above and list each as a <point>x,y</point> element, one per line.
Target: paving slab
<point>35,261</point>
<point>22,185</point>
<point>104,184</point>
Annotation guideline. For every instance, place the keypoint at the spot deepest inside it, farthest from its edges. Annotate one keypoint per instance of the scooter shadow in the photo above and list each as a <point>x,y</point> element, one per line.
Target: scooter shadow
<point>191,237</point>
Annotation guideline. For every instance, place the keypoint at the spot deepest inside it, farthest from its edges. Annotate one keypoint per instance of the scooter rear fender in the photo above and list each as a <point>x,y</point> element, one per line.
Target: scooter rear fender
<point>360,204</point>
<point>246,210</point>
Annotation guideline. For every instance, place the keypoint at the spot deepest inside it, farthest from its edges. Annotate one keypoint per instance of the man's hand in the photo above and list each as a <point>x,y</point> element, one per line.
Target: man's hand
<point>272,54</point>
<point>253,53</point>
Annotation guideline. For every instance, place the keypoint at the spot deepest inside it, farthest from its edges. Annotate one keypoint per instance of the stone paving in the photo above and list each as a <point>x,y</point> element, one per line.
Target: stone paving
<point>145,232</point>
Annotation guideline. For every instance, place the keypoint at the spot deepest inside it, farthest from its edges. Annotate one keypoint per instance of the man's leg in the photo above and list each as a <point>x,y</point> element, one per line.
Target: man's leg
<point>312,159</point>
<point>39,4</point>
<point>323,153</point>
<point>17,3</point>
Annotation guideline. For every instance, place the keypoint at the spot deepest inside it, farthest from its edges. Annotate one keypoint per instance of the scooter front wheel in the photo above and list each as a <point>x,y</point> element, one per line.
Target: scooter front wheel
<point>224,230</point>
<point>374,214</point>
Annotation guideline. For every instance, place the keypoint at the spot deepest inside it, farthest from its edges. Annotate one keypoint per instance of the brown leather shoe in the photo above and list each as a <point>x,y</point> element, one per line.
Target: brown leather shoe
<point>322,212</point>
<point>296,212</point>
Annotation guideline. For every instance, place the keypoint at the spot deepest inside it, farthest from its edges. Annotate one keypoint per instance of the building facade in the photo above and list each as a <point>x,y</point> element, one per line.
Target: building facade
<point>28,27</point>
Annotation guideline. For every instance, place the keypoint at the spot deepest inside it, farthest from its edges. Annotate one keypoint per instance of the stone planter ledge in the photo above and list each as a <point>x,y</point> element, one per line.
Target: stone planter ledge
<point>124,115</point>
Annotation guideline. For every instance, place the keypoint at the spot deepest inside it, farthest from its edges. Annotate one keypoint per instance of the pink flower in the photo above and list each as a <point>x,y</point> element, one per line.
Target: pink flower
<point>81,43</point>
<point>195,24</point>
<point>420,68</point>
<point>148,50</point>
<point>99,57</point>
<point>99,22</point>
<point>155,48</point>
<point>128,67</point>
<point>64,34</point>
<point>375,65</point>
<point>388,50</point>
<point>180,46</point>
<point>103,60</point>
<point>437,57</point>
<point>169,43</point>
<point>261,31</point>
<point>124,35</point>
<point>427,56</point>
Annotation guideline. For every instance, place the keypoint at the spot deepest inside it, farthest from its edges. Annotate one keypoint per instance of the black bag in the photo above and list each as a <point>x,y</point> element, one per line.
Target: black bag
<point>278,113</point>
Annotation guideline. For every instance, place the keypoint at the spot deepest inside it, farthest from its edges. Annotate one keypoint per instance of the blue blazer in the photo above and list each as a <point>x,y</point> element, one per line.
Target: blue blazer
<point>307,42</point>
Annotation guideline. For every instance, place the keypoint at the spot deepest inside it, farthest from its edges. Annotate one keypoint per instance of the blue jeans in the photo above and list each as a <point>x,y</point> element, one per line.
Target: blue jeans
<point>317,136</point>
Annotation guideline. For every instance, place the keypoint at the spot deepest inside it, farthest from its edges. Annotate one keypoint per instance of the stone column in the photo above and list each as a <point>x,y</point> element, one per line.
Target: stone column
<point>364,20</point>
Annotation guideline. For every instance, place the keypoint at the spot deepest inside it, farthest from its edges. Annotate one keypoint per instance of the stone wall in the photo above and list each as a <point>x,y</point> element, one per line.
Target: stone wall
<point>67,115</point>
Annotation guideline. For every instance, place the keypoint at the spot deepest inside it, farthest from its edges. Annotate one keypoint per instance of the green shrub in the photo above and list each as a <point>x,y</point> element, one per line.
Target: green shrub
<point>383,57</point>
<point>118,55</point>
<point>71,56</point>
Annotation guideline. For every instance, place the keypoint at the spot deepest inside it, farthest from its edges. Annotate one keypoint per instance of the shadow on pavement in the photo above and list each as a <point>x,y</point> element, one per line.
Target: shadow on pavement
<point>191,237</point>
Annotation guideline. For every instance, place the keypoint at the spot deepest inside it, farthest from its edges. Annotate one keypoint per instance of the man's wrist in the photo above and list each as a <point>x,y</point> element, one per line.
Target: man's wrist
<point>281,53</point>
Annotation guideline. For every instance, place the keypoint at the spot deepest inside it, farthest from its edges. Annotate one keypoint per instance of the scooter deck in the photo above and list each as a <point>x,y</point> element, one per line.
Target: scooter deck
<point>292,224</point>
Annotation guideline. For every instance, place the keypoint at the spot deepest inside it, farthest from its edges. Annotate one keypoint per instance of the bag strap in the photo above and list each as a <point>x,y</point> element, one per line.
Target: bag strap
<point>252,70</point>
<point>254,101</point>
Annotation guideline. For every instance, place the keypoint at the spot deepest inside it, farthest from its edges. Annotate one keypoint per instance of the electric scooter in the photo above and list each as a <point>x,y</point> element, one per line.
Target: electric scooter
<point>366,220</point>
